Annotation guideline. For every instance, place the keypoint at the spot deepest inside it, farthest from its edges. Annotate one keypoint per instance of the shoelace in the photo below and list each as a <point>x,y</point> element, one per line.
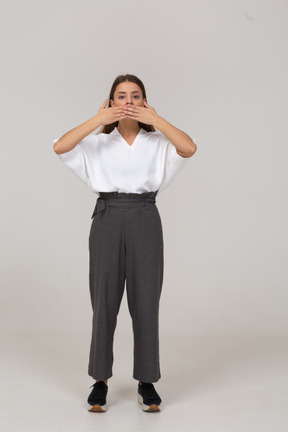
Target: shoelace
<point>99,383</point>
<point>148,390</point>
<point>99,391</point>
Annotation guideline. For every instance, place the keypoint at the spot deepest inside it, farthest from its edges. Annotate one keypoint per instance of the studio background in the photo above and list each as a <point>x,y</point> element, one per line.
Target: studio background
<point>216,70</point>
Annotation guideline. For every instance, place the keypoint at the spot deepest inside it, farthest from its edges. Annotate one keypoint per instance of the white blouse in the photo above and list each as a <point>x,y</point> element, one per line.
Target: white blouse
<point>107,163</point>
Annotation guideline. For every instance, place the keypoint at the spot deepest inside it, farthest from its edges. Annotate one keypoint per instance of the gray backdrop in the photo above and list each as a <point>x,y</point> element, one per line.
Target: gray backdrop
<point>215,69</point>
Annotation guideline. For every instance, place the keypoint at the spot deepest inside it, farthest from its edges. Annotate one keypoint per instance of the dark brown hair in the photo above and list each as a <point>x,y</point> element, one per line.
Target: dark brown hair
<point>122,78</point>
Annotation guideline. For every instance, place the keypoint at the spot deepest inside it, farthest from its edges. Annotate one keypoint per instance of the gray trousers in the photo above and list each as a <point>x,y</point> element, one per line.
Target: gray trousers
<point>126,244</point>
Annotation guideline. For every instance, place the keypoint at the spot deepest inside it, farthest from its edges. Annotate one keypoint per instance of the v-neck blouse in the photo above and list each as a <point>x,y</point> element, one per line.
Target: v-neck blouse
<point>107,163</point>
<point>123,139</point>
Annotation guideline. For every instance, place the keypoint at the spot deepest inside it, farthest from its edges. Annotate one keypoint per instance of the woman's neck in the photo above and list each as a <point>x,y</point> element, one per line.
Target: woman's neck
<point>128,127</point>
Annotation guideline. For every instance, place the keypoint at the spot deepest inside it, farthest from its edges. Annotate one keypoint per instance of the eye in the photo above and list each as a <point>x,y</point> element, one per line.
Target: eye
<point>137,97</point>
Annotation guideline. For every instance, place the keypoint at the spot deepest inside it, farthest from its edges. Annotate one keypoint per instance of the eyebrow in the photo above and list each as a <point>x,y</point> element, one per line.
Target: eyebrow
<point>136,91</point>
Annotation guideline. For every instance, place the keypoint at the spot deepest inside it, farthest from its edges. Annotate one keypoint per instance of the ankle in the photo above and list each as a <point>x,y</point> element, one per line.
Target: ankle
<point>105,381</point>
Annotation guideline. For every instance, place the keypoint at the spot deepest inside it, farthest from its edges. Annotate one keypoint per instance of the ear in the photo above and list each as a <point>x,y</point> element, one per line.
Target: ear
<point>111,102</point>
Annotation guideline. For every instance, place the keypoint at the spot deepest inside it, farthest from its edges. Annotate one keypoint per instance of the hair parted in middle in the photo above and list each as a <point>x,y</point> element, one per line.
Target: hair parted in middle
<point>118,80</point>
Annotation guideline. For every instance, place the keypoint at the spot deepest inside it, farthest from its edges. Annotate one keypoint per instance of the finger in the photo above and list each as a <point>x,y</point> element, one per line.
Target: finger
<point>121,116</point>
<point>120,113</point>
<point>130,108</point>
<point>104,104</point>
<point>132,115</point>
<point>133,109</point>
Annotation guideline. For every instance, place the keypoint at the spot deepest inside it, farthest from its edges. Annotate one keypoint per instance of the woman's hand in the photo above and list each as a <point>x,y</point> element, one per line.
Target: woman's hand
<point>109,115</point>
<point>146,114</point>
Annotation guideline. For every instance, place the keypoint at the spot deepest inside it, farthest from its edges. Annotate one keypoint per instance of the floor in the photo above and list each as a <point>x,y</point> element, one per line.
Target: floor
<point>209,383</point>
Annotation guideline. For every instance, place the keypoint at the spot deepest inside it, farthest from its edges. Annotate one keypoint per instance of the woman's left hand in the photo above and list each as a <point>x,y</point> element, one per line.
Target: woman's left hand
<point>146,114</point>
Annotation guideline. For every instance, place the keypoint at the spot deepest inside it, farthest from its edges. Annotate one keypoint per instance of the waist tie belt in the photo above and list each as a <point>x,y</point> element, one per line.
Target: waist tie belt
<point>120,200</point>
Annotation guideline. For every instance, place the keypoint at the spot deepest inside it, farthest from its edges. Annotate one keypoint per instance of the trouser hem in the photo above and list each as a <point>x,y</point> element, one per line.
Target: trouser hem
<point>96,376</point>
<point>146,379</point>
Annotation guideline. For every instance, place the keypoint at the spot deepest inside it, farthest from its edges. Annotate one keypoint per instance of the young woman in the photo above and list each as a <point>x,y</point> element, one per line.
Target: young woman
<point>126,163</point>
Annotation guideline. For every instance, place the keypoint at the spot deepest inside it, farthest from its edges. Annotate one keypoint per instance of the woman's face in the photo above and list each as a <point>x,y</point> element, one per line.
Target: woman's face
<point>128,93</point>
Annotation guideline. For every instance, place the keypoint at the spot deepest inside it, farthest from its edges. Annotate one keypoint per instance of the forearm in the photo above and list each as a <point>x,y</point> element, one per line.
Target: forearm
<point>71,138</point>
<point>183,143</point>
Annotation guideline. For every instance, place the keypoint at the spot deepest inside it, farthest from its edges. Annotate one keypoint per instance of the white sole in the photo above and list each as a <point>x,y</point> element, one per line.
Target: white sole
<point>147,408</point>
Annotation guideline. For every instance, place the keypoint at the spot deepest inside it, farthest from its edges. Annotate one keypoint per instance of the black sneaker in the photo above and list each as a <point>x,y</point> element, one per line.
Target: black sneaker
<point>97,397</point>
<point>148,398</point>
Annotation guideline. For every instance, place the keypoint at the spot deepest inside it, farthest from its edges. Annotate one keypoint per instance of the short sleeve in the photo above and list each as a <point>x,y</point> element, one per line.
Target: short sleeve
<point>75,160</point>
<point>173,152</point>
<point>173,162</point>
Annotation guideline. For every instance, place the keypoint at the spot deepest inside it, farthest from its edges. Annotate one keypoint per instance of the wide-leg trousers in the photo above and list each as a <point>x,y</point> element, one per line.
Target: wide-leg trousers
<point>126,246</point>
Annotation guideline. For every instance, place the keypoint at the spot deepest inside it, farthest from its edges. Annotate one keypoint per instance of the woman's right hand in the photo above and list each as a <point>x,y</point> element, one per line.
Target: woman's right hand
<point>110,115</point>
<point>104,116</point>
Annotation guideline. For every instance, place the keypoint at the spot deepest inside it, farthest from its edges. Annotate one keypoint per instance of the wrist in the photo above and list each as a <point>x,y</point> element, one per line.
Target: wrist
<point>96,121</point>
<point>157,121</point>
